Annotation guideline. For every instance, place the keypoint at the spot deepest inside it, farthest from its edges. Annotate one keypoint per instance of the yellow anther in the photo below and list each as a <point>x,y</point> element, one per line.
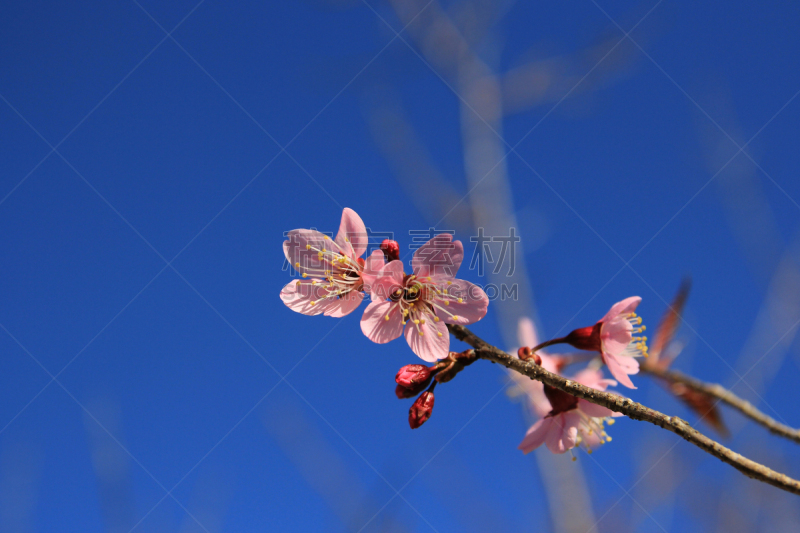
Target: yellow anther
<point>308,246</point>
<point>305,275</point>
<point>297,264</point>
<point>449,282</point>
<point>387,317</point>
<point>589,451</point>
<point>461,301</point>
<point>447,302</point>
<point>313,302</point>
<point>610,421</point>
<point>421,333</point>
<point>455,317</point>
<point>327,238</point>
<point>439,333</point>
<point>608,439</point>
<point>416,321</point>
<point>574,458</point>
<point>436,319</point>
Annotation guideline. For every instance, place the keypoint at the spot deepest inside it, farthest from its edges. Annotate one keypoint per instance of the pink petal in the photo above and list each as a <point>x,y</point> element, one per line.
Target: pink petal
<point>440,257</point>
<point>594,410</point>
<point>298,297</point>
<point>616,335</point>
<point>433,344</point>
<point>628,305</point>
<point>296,251</point>
<point>564,434</point>
<point>593,378</point>
<point>536,435</point>
<point>534,390</point>
<point>376,327</point>
<point>352,228</point>
<point>346,304</point>
<point>472,308</point>
<point>620,366</point>
<point>526,333</point>
<point>372,269</point>
<point>388,280</point>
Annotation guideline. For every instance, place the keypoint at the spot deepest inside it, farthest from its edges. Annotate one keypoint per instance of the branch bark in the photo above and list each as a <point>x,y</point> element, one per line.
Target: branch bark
<point>727,397</point>
<point>630,409</point>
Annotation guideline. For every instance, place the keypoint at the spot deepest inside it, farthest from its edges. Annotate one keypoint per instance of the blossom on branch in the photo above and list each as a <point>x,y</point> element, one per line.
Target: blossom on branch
<point>569,421</point>
<point>614,337</point>
<point>332,270</point>
<point>423,302</point>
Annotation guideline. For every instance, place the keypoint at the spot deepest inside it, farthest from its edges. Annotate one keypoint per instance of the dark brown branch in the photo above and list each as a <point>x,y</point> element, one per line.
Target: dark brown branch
<point>630,409</point>
<point>727,397</point>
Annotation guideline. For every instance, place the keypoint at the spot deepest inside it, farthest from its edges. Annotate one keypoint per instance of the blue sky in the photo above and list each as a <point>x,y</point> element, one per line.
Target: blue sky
<point>148,179</point>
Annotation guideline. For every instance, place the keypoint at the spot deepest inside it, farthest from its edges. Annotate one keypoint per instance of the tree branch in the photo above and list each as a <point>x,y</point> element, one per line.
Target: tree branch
<point>725,396</point>
<point>629,408</point>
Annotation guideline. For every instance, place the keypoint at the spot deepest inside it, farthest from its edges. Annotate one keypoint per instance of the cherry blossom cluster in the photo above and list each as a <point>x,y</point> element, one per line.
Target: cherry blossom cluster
<point>336,278</point>
<point>418,305</point>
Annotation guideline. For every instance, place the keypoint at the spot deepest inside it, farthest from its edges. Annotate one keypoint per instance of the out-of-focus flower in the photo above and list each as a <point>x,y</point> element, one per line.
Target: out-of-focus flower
<point>569,421</point>
<point>332,270</point>
<point>423,302</point>
<point>421,410</point>
<point>663,352</point>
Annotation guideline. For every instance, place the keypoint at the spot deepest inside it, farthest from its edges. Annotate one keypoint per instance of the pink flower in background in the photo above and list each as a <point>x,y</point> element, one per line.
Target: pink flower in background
<point>532,390</point>
<point>332,269</point>
<point>613,336</point>
<point>570,421</point>
<point>422,303</point>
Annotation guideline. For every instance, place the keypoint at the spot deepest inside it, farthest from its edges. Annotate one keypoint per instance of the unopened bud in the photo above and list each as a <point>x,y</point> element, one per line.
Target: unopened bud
<point>411,376</point>
<point>421,410</point>
<point>390,249</point>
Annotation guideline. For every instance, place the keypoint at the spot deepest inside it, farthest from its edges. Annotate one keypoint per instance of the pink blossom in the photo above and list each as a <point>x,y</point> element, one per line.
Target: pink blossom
<point>332,270</point>
<point>613,336</point>
<point>569,421</point>
<point>425,300</point>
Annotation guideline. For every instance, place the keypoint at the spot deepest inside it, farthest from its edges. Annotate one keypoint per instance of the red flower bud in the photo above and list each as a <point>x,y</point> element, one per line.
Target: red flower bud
<point>410,376</point>
<point>420,412</point>
<point>390,249</point>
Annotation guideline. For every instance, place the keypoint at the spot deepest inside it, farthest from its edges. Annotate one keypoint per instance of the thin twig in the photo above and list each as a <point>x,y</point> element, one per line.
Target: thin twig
<point>727,397</point>
<point>630,409</point>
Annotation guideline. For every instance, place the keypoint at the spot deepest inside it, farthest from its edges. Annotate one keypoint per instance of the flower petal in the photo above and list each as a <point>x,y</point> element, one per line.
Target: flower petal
<point>376,327</point>
<point>628,305</point>
<point>386,281</point>
<point>298,297</point>
<point>303,258</point>
<point>536,435</point>
<point>471,308</point>
<point>616,335</point>
<point>593,378</point>
<point>346,304</point>
<point>594,410</point>
<point>620,366</point>
<point>429,340</point>
<point>352,236</point>
<point>440,257</point>
<point>526,333</point>
<point>564,434</point>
